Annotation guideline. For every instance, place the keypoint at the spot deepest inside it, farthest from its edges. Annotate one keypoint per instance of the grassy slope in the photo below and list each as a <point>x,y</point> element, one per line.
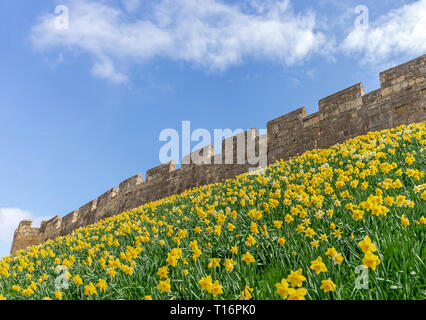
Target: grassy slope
<point>377,179</point>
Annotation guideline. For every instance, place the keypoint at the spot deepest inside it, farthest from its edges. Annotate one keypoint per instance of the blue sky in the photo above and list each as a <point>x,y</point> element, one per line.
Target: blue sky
<point>81,109</point>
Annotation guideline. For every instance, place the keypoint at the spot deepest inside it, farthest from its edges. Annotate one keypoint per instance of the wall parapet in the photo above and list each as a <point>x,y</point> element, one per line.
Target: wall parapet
<point>401,99</point>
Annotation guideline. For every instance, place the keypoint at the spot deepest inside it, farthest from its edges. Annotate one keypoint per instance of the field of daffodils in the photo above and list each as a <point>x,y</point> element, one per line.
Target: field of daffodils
<point>346,222</point>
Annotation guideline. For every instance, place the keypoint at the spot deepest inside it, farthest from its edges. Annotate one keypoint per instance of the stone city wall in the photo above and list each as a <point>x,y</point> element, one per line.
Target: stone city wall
<point>401,99</point>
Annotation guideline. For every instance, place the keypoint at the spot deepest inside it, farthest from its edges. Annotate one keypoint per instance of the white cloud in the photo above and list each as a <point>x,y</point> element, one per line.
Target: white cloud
<point>216,35</point>
<point>400,32</point>
<point>9,221</point>
<point>106,70</point>
<point>206,33</point>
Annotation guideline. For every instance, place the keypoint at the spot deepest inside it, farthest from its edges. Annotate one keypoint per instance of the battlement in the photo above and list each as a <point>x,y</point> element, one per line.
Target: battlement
<point>409,72</point>
<point>343,100</point>
<point>401,99</point>
<point>130,184</point>
<point>236,149</point>
<point>200,156</point>
<point>161,172</point>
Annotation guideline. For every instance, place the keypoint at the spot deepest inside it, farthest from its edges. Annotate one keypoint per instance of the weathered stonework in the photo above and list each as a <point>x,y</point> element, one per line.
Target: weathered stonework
<point>401,99</point>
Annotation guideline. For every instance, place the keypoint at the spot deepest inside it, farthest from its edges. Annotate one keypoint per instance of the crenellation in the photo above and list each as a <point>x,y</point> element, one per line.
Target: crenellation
<point>160,173</point>
<point>105,204</point>
<point>25,225</point>
<point>87,208</point>
<point>343,100</point>
<point>369,99</point>
<point>257,150</point>
<point>313,119</point>
<point>197,157</point>
<point>401,99</point>
<point>129,185</point>
<point>51,229</point>
<point>295,118</point>
<point>86,213</point>
<point>261,143</point>
<point>71,217</point>
<point>43,226</point>
<point>235,149</point>
<point>283,134</point>
<point>106,197</point>
<point>25,236</point>
<point>404,72</point>
<point>69,222</point>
